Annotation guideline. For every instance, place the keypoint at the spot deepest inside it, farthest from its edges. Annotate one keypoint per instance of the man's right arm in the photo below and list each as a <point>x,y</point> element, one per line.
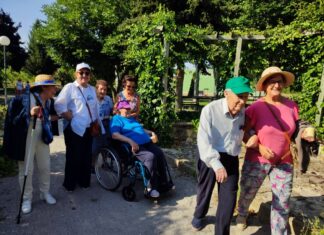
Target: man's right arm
<point>61,103</point>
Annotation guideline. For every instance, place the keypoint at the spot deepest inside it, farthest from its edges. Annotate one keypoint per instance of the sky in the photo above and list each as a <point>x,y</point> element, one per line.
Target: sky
<point>25,12</point>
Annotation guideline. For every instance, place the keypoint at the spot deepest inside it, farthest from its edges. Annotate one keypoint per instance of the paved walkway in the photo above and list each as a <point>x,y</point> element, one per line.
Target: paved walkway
<point>97,211</point>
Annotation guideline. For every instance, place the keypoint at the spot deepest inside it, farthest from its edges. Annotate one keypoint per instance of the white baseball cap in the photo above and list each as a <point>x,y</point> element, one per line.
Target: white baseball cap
<point>82,66</point>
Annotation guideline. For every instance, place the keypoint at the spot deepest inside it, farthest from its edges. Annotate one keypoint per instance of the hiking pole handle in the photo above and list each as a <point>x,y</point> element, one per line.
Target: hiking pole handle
<point>34,121</point>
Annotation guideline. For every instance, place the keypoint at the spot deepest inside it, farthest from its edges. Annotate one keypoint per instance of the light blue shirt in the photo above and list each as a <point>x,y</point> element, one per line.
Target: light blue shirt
<point>130,128</point>
<point>70,98</point>
<point>105,107</point>
<point>219,132</point>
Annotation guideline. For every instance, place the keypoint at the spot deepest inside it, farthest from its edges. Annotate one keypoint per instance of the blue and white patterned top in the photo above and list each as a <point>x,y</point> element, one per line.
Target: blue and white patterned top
<point>105,107</point>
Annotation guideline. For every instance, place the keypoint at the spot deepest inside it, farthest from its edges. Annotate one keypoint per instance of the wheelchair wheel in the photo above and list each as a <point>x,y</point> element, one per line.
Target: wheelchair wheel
<point>129,193</point>
<point>108,169</point>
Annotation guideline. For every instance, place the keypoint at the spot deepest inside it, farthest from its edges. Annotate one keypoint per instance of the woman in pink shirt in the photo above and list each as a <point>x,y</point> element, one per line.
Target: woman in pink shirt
<point>273,119</point>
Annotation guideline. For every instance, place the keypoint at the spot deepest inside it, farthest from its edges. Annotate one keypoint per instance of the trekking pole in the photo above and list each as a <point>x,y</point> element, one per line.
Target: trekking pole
<point>27,162</point>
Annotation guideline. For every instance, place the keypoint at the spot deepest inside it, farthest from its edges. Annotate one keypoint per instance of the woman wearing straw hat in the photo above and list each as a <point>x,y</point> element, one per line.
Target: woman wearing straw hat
<point>37,145</point>
<point>273,119</point>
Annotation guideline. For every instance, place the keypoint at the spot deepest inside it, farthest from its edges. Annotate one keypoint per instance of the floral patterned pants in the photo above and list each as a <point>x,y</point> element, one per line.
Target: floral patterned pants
<point>281,177</point>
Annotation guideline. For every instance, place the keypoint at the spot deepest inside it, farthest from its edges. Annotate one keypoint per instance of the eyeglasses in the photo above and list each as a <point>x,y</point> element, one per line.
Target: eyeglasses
<point>84,73</point>
<point>128,86</point>
<point>274,81</point>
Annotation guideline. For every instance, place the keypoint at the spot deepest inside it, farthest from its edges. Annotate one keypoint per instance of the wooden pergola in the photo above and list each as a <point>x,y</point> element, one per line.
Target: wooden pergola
<point>219,37</point>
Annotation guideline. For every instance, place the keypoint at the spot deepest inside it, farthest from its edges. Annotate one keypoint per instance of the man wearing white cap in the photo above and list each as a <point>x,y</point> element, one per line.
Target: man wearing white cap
<point>77,104</point>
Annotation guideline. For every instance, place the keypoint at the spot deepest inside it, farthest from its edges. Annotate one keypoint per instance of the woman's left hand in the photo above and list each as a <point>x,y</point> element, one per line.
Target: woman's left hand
<point>265,152</point>
<point>252,142</point>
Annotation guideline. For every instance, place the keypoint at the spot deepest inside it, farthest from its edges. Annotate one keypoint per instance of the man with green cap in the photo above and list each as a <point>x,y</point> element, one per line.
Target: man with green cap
<point>219,139</point>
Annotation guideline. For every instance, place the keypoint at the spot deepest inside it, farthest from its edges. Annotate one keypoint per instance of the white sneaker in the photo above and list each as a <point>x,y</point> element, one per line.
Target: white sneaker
<point>241,222</point>
<point>154,193</point>
<point>26,206</point>
<point>48,198</point>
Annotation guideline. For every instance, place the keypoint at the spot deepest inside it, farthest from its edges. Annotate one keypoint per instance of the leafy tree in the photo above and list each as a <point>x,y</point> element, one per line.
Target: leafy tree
<point>15,54</point>
<point>38,61</point>
<point>75,31</point>
<point>142,42</point>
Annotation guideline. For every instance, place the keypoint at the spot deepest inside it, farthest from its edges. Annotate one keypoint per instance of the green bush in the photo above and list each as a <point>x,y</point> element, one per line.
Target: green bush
<point>7,167</point>
<point>3,111</point>
<point>313,227</point>
<point>188,116</point>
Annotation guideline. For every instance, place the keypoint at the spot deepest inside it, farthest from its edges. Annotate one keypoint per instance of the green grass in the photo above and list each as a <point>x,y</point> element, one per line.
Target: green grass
<point>206,82</point>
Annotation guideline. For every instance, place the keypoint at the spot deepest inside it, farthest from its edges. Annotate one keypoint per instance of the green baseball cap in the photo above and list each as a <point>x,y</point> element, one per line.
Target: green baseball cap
<point>239,85</point>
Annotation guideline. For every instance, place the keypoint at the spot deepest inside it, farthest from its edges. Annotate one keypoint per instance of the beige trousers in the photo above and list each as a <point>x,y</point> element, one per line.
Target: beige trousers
<point>39,152</point>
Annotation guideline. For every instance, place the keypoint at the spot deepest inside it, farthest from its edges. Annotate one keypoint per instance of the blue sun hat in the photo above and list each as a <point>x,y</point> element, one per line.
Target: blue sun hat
<point>44,80</point>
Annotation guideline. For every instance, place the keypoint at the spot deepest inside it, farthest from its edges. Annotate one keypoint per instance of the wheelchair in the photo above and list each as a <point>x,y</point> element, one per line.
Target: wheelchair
<point>116,161</point>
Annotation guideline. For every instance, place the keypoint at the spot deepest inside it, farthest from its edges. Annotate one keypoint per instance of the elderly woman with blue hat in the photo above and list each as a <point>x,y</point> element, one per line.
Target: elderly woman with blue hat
<point>25,142</point>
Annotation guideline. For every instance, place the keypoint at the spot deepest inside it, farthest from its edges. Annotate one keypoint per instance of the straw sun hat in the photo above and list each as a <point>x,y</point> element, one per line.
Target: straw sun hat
<point>44,80</point>
<point>267,73</point>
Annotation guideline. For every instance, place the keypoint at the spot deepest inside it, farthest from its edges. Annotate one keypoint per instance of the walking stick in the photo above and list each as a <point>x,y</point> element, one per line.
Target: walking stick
<point>27,162</point>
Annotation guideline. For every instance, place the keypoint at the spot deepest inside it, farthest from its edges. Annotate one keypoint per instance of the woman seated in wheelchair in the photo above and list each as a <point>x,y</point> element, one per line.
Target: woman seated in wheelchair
<point>127,129</point>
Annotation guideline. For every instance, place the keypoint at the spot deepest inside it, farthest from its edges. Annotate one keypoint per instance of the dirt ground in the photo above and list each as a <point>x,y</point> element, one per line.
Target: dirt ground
<point>97,211</point>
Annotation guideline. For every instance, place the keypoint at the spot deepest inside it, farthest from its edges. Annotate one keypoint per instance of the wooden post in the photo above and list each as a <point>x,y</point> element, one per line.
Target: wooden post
<point>239,39</point>
<point>216,77</point>
<point>196,87</point>
<point>238,56</point>
<point>320,102</point>
<point>166,49</point>
<point>179,87</point>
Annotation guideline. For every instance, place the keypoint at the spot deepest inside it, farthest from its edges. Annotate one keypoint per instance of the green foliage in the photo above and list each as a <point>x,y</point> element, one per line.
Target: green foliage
<point>75,31</point>
<point>313,226</point>
<point>129,38</point>
<point>3,111</point>
<point>143,41</point>
<point>195,124</point>
<point>38,62</point>
<point>302,44</point>
<point>12,76</point>
<point>7,167</point>
<point>187,116</point>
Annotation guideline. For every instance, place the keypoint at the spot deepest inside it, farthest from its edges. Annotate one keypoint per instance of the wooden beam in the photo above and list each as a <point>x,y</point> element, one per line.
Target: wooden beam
<point>217,37</point>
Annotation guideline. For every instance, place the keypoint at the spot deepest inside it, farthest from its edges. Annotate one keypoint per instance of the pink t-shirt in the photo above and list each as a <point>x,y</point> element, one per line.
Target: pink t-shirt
<point>269,131</point>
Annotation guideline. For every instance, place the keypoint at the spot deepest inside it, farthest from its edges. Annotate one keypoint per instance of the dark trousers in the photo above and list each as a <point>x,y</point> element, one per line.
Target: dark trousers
<point>227,192</point>
<point>78,159</point>
<point>154,160</point>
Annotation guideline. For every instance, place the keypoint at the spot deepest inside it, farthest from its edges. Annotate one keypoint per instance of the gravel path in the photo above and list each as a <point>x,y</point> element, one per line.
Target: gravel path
<point>97,211</point>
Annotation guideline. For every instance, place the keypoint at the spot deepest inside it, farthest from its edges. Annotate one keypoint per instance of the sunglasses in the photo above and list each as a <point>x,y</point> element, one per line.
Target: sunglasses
<point>84,73</point>
<point>130,87</point>
<point>274,81</point>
